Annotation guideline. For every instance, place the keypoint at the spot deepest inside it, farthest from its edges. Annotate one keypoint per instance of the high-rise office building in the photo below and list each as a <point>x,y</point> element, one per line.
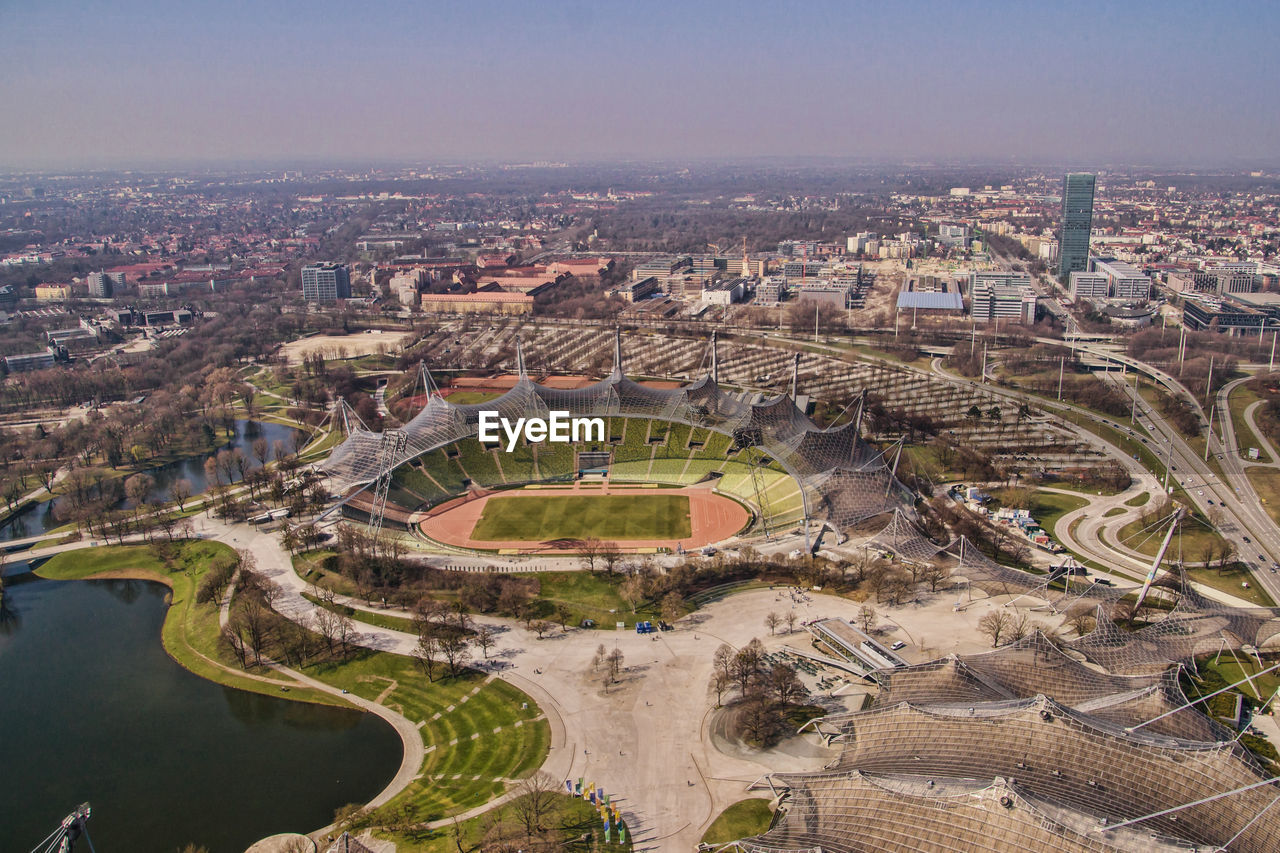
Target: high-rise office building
<point>1077,219</point>
<point>326,282</point>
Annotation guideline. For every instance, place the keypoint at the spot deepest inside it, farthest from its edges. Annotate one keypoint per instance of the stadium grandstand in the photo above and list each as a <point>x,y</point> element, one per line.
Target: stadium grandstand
<point>766,452</point>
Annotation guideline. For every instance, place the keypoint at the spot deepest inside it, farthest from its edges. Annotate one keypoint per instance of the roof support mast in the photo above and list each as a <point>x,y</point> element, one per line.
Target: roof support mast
<point>1155,564</point>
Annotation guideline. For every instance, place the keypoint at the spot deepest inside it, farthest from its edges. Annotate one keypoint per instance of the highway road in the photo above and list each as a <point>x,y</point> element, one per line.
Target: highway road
<point>1240,516</point>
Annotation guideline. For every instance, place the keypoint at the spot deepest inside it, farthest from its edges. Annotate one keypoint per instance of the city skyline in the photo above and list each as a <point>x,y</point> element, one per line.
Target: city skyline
<point>1086,85</point>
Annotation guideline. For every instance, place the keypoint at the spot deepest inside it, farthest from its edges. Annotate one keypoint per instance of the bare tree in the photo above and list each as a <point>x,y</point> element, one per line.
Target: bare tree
<point>786,684</point>
<point>1019,627</point>
<point>672,606</point>
<point>456,650</point>
<point>632,591</point>
<point>485,639</point>
<point>772,621</point>
<point>791,619</point>
<point>426,653</point>
<point>610,556</point>
<point>537,803</point>
<point>614,661</point>
<point>589,551</point>
<point>180,492</point>
<point>867,618</point>
<point>1082,623</point>
<point>934,575</point>
<point>995,625</point>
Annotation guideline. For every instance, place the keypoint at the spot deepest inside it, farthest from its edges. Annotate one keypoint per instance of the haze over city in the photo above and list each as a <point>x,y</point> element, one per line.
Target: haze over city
<point>91,84</point>
<point>608,427</point>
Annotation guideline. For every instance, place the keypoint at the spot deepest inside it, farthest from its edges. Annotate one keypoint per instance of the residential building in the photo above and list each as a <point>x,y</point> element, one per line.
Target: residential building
<point>723,291</point>
<point>826,291</point>
<point>634,291</point>
<point>53,292</point>
<point>660,267</point>
<point>1076,223</point>
<point>405,284</point>
<point>769,291</point>
<point>159,289</point>
<point>494,302</point>
<point>953,235</point>
<point>997,296</point>
<point>1232,279</point>
<point>102,285</point>
<point>326,282</point>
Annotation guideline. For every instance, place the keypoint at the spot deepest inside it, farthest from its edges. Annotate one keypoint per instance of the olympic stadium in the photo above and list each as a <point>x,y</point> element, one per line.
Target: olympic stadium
<point>712,462</point>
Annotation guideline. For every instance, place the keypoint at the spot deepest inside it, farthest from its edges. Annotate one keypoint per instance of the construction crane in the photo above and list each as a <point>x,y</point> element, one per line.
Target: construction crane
<point>64,838</point>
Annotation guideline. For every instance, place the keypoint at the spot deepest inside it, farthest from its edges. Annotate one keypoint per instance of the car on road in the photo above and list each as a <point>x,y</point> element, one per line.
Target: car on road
<point>898,645</point>
<point>1248,541</point>
<point>1105,582</point>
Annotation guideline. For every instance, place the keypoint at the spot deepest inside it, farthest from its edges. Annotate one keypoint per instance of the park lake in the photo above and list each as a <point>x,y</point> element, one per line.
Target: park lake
<point>92,709</point>
<point>39,518</point>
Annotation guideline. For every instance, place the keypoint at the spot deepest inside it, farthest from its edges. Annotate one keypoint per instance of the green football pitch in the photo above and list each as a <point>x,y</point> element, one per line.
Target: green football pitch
<point>609,517</point>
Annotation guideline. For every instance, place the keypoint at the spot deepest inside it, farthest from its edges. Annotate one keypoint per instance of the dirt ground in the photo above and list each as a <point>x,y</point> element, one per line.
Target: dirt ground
<point>345,346</point>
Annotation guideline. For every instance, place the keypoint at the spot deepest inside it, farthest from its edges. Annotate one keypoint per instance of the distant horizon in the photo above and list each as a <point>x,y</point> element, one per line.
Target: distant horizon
<point>140,84</point>
<point>265,164</point>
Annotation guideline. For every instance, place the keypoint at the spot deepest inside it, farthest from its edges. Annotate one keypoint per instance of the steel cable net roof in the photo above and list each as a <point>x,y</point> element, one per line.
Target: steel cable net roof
<point>901,537</point>
<point>995,579</point>
<point>1033,666</point>
<point>1072,774</point>
<point>843,479</point>
<point>1195,626</point>
<point>854,811</point>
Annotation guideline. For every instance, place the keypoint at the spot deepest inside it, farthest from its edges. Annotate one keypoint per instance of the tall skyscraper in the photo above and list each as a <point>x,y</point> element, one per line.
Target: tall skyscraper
<point>326,282</point>
<point>1077,219</point>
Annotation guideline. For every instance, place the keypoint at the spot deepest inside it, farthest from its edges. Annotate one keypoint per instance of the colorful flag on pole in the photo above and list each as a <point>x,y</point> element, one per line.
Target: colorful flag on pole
<point>579,791</point>
<point>622,833</point>
<point>568,784</point>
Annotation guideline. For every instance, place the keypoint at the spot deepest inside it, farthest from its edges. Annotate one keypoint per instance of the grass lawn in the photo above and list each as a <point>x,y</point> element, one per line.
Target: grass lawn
<point>190,632</point>
<point>1229,582</point>
<point>461,398</point>
<point>588,595</point>
<point>310,567</point>
<point>382,620</point>
<point>1046,507</point>
<point>1192,539</point>
<point>1241,398</point>
<point>1138,500</point>
<point>1266,482</point>
<point>573,819</point>
<point>1115,510</point>
<point>609,517</point>
<point>484,731</point>
<point>740,820</point>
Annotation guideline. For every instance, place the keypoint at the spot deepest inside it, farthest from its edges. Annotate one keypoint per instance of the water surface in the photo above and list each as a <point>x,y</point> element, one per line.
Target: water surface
<point>92,709</point>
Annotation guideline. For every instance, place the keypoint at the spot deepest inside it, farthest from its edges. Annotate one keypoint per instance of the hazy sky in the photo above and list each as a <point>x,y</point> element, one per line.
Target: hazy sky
<point>89,83</point>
